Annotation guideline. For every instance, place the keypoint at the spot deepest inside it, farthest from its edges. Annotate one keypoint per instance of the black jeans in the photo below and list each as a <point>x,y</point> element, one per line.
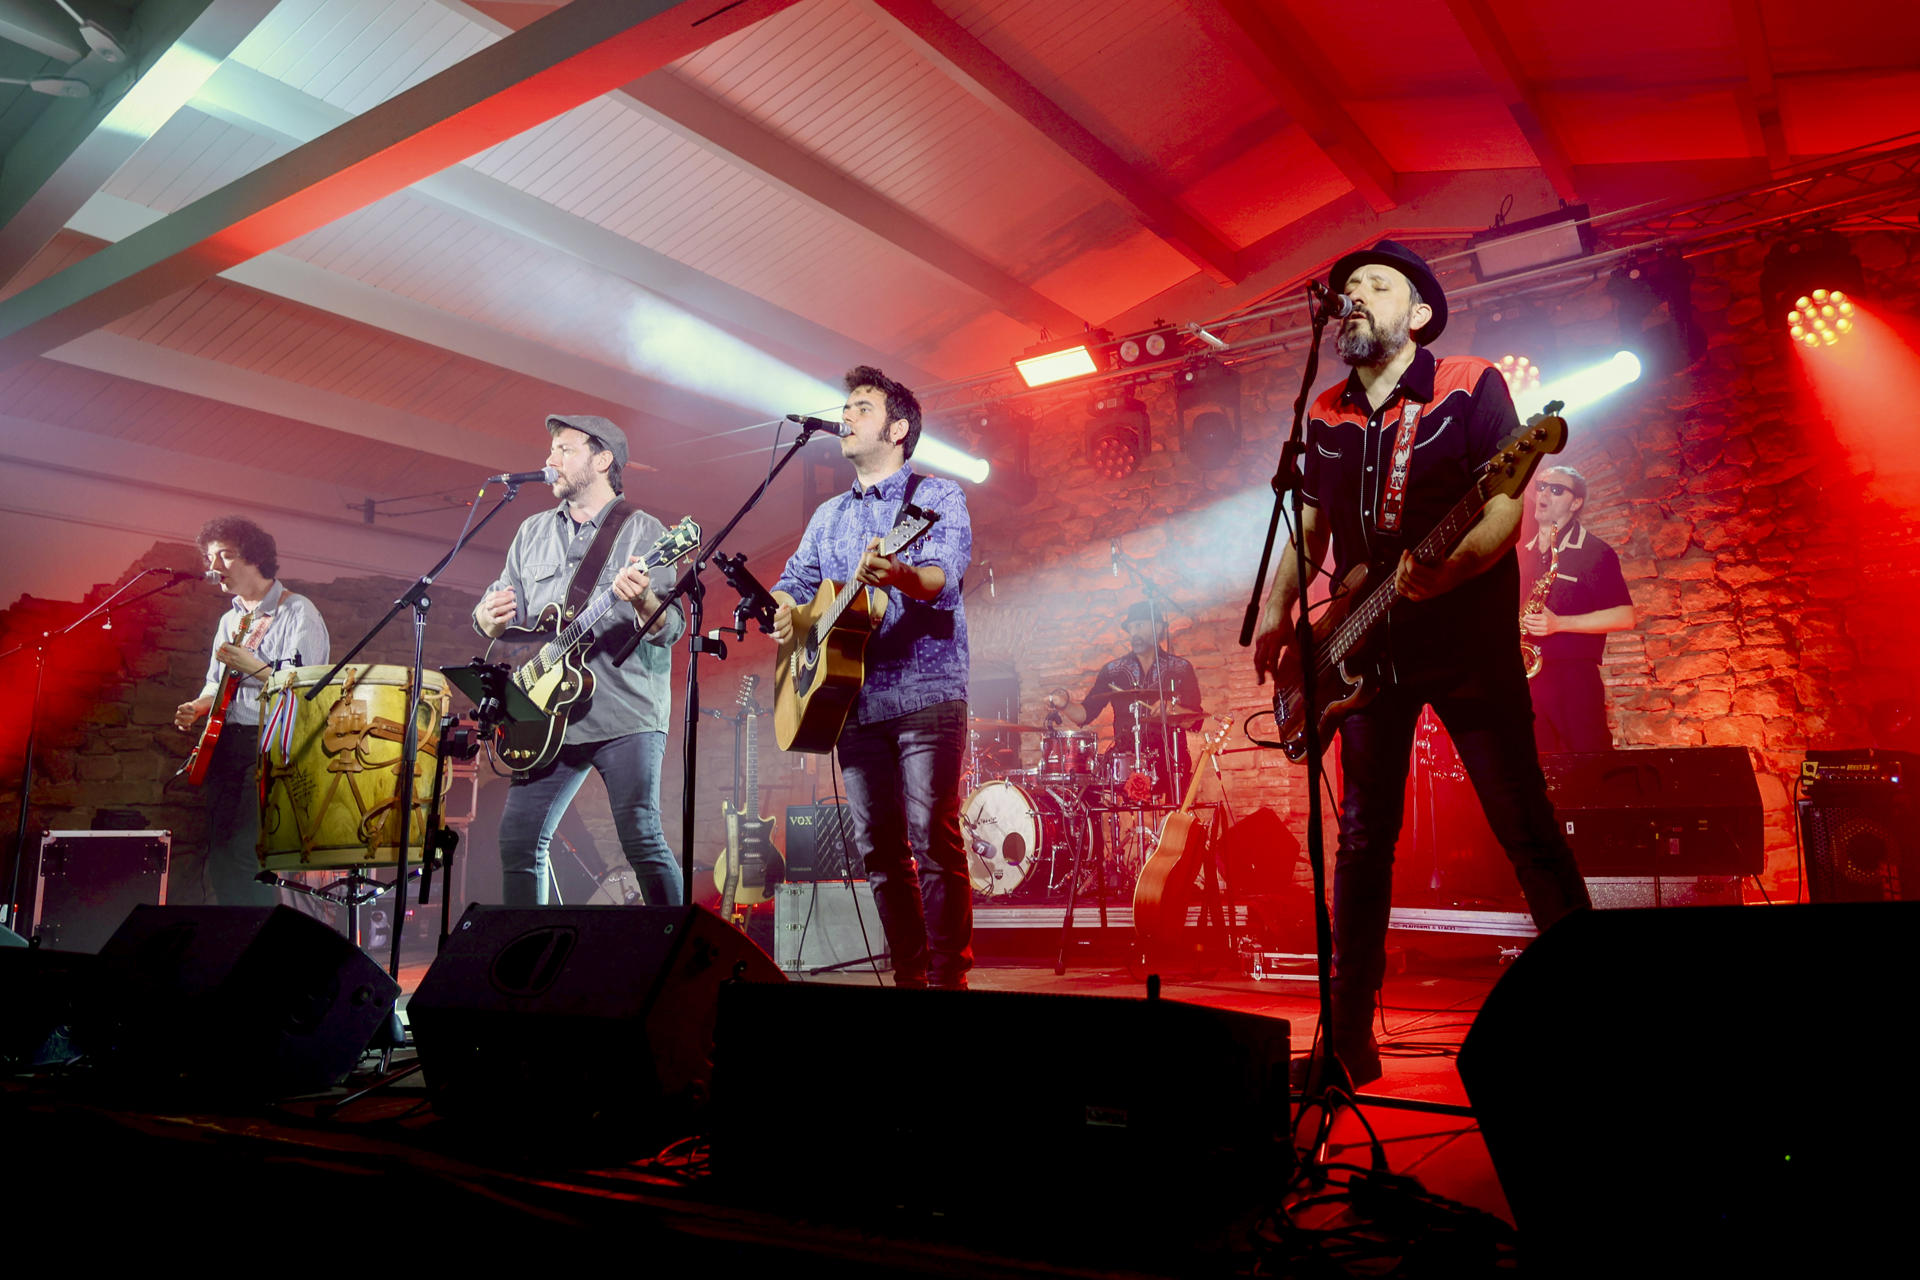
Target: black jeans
<point>903,797</point>
<point>1489,716</point>
<point>1570,708</point>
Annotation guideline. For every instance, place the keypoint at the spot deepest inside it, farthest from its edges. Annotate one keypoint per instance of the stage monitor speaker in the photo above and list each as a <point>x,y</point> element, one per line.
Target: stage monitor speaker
<point>820,844</point>
<point>578,1020</point>
<point>41,992</point>
<point>1009,1111</point>
<point>261,1001</point>
<point>1702,1085</point>
<point>1659,811</point>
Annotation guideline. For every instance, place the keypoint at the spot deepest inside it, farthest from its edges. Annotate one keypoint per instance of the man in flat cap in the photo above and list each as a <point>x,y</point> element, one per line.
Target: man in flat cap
<point>622,731</point>
<point>1389,452</point>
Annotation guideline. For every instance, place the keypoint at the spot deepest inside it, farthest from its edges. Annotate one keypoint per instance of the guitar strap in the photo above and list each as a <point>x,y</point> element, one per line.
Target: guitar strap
<point>587,573</point>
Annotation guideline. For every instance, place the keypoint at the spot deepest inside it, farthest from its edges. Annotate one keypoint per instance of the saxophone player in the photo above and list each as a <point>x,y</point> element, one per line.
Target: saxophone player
<point>1585,598</point>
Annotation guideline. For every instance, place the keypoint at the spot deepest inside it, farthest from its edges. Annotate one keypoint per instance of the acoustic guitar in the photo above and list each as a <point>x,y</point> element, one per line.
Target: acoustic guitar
<point>1347,661</point>
<point>749,867</point>
<point>555,678</point>
<point>201,758</point>
<point>1169,879</point>
<point>823,664</point>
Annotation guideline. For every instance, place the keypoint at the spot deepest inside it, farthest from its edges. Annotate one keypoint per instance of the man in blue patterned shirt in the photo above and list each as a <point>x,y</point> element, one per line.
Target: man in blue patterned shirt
<point>900,751</point>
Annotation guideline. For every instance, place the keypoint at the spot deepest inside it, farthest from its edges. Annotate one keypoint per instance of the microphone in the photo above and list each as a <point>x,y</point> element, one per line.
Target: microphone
<point>1332,306</point>
<point>817,426</point>
<point>192,575</point>
<point>545,475</point>
<point>1113,554</point>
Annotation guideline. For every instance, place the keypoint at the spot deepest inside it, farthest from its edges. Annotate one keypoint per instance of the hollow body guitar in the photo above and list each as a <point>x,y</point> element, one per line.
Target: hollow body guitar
<point>823,665</point>
<point>555,678</point>
<point>1169,879</point>
<point>201,758</point>
<point>1347,667</point>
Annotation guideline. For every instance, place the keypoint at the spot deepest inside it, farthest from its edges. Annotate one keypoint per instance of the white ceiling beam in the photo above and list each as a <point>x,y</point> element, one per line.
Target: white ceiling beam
<point>985,75</point>
<point>267,107</point>
<point>569,57</point>
<point>1760,102</point>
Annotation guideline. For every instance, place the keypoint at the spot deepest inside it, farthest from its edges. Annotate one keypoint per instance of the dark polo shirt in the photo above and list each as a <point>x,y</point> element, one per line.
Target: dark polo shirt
<point>1586,580</point>
<point>1464,412</point>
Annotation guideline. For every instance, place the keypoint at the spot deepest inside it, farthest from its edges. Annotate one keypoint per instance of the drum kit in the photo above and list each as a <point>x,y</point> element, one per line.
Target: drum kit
<point>1029,830</point>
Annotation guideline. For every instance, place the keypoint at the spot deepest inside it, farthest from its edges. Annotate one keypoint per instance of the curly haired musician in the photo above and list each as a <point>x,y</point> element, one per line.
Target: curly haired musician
<point>623,731</point>
<point>1389,452</point>
<point>902,744</point>
<point>285,629</point>
<point>1587,600</point>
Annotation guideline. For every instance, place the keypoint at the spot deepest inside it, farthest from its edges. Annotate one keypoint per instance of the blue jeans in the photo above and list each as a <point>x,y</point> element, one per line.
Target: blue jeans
<point>903,796</point>
<point>630,766</point>
<point>1489,716</point>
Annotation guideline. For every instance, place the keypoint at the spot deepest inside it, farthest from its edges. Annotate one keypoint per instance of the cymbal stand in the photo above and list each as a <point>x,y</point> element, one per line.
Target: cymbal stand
<point>1073,890</point>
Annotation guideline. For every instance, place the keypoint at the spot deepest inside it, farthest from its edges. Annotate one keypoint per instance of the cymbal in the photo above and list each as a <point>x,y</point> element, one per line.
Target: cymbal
<point>979,724</point>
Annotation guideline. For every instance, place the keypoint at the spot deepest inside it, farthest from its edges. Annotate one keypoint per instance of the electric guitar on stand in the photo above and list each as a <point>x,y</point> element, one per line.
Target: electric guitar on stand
<point>822,667</point>
<point>749,867</point>
<point>555,679</point>
<point>201,757</point>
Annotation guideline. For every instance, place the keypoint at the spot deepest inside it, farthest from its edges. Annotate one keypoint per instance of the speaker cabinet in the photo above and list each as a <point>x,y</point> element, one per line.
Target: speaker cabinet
<point>1072,1119</point>
<point>1703,1090</point>
<point>1857,825</point>
<point>260,1001</point>
<point>572,1019</point>
<point>1663,811</point>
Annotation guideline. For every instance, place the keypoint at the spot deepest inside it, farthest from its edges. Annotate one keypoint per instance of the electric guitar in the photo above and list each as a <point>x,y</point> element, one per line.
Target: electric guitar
<point>1347,665</point>
<point>749,867</point>
<point>555,678</point>
<point>1168,878</point>
<point>823,665</point>
<point>201,758</point>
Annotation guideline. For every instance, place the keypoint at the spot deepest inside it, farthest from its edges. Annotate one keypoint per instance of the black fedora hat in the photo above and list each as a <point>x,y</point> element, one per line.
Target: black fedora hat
<point>1393,254</point>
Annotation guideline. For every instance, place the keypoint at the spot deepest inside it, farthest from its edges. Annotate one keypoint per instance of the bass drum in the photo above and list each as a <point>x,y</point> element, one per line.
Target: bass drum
<point>1018,837</point>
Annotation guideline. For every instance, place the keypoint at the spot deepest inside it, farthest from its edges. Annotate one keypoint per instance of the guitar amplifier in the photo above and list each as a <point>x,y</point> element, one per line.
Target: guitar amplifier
<point>90,881</point>
<point>1857,811</point>
<point>820,844</point>
<point>1664,811</point>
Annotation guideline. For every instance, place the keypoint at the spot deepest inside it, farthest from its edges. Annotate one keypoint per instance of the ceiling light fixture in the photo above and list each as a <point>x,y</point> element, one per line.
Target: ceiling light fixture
<point>1059,360</point>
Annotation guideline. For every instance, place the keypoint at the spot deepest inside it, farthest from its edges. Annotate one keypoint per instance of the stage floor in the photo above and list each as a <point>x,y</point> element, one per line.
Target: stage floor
<point>263,1167</point>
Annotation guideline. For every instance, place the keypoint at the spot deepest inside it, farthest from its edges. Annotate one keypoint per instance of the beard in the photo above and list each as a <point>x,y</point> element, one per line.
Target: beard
<point>1371,345</point>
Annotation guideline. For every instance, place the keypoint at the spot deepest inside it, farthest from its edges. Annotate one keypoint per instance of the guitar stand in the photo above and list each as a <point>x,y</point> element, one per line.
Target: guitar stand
<point>1073,890</point>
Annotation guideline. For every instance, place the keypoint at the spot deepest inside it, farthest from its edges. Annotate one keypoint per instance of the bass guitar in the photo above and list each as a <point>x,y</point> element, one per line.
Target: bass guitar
<point>1169,877</point>
<point>201,757</point>
<point>1347,666</point>
<point>555,678</point>
<point>749,867</point>
<point>823,664</point>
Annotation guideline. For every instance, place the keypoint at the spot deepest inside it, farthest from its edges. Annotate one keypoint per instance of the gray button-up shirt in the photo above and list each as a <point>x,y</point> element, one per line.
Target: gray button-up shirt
<point>288,632</point>
<point>548,548</point>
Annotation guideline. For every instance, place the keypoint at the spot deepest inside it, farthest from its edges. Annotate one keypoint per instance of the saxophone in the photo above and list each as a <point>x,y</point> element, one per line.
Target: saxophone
<point>1536,601</point>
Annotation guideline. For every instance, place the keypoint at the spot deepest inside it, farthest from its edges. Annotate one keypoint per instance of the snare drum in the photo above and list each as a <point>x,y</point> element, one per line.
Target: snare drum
<point>1133,776</point>
<point>1011,831</point>
<point>1069,755</point>
<point>330,766</point>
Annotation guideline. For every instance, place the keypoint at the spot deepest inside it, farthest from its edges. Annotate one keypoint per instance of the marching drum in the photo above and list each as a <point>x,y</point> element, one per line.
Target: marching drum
<point>1068,755</point>
<point>1010,830</point>
<point>330,766</point>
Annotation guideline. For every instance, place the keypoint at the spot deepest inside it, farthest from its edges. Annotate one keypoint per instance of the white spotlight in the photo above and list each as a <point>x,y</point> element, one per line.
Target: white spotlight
<point>1586,387</point>
<point>941,456</point>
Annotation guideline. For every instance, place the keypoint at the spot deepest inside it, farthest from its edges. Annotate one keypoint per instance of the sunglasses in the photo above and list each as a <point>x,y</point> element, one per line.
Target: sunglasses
<point>1555,489</point>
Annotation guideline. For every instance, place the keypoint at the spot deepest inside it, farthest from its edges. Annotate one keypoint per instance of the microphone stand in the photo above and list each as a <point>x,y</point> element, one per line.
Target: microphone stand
<point>415,598</point>
<point>1287,481</point>
<point>40,647</point>
<point>688,588</point>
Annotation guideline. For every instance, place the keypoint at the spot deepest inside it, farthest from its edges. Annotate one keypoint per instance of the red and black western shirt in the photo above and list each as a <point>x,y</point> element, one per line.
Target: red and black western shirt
<point>1461,412</point>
